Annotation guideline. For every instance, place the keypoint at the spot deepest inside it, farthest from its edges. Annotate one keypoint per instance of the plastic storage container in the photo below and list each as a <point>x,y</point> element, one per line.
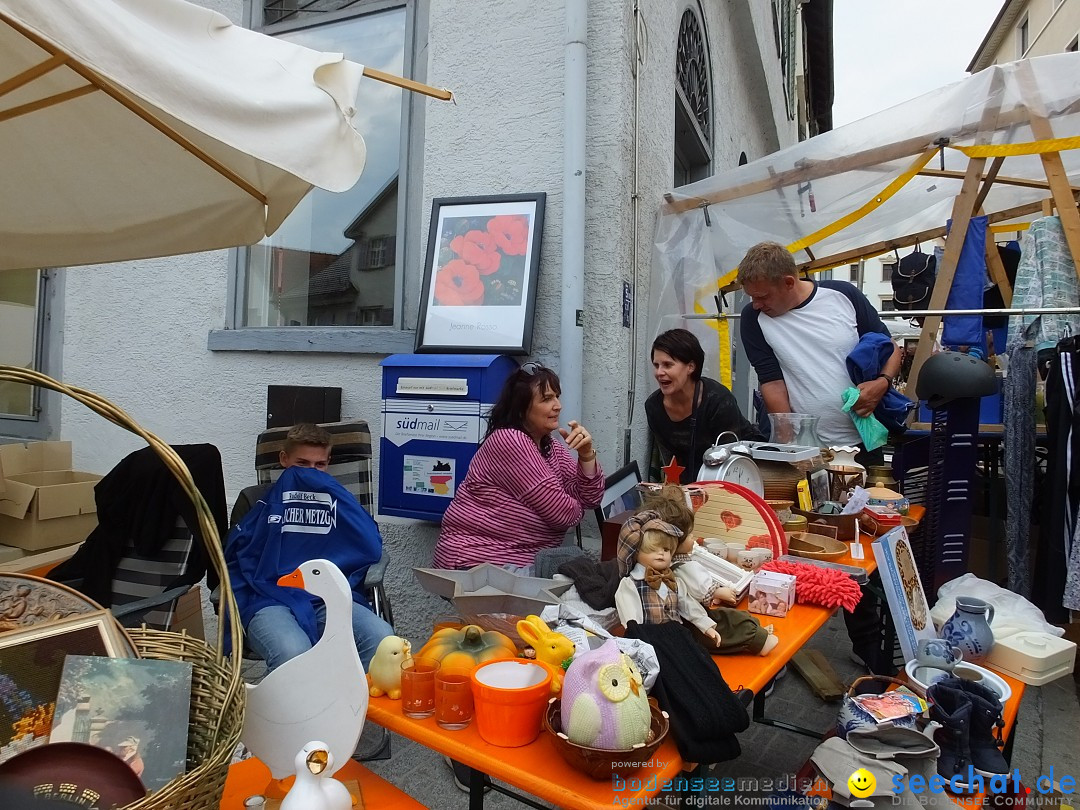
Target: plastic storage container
<point>1032,657</point>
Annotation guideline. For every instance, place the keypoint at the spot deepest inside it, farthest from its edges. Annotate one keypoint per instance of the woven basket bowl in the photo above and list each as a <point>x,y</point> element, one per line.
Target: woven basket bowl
<point>217,695</point>
<point>599,763</point>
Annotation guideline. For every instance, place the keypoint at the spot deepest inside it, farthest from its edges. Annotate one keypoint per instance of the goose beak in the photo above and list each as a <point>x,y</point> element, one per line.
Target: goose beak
<point>293,580</point>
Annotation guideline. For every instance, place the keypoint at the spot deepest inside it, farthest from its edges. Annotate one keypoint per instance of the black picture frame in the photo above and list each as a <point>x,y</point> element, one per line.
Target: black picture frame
<point>480,274</point>
<point>819,487</point>
<point>620,493</point>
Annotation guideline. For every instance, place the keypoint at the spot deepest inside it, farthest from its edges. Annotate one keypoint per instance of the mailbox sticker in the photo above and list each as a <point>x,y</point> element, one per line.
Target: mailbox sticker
<point>447,386</point>
<point>404,427</point>
<point>425,475</point>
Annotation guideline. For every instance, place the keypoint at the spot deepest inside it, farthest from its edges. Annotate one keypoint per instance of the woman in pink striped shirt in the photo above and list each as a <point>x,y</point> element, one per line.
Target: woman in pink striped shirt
<point>524,489</point>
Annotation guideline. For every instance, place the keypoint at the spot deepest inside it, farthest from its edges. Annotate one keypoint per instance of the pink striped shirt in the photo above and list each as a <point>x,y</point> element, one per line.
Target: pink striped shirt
<point>514,502</point>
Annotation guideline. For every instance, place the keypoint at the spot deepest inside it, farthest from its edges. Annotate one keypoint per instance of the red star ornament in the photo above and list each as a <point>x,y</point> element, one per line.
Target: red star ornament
<point>672,472</point>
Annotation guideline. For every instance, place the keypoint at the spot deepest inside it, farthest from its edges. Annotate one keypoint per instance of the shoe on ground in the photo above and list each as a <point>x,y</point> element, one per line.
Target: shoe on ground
<point>462,775</point>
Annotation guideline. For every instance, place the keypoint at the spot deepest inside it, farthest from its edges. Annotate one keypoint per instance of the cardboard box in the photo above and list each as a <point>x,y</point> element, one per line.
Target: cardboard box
<point>188,614</point>
<point>38,563</point>
<point>45,503</point>
<point>771,593</point>
<point>9,553</point>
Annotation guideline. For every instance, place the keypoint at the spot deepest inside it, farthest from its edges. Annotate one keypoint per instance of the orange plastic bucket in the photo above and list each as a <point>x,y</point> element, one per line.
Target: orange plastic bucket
<point>510,697</point>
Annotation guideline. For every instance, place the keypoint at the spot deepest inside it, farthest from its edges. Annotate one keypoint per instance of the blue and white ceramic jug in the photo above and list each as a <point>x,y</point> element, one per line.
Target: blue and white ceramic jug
<point>969,628</point>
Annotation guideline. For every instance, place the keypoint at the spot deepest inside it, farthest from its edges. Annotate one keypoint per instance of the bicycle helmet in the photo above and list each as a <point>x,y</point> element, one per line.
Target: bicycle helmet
<point>953,375</point>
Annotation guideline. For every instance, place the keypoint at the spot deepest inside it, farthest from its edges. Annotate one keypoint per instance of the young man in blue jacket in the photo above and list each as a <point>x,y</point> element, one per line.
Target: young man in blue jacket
<point>281,623</point>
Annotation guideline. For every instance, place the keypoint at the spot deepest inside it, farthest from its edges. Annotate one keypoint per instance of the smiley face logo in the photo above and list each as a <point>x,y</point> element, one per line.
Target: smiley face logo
<point>861,783</point>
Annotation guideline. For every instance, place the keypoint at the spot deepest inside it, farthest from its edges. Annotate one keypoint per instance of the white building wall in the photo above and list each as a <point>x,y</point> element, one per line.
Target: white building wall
<point>137,333</point>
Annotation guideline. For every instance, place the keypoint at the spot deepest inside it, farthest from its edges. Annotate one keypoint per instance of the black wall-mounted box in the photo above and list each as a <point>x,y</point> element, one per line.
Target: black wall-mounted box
<point>288,405</point>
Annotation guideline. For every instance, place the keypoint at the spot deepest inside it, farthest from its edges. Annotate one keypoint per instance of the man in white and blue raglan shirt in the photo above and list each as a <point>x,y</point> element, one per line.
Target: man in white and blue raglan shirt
<point>798,334</point>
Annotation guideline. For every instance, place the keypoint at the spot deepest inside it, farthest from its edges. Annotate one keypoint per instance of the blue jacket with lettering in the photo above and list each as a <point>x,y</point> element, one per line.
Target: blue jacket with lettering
<point>306,515</point>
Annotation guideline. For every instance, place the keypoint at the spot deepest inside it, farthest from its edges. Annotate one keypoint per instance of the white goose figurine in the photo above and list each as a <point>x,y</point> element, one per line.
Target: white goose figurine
<point>321,694</point>
<point>314,789</point>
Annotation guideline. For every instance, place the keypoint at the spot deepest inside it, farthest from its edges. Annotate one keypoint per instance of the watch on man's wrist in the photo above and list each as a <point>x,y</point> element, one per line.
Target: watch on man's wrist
<point>887,379</point>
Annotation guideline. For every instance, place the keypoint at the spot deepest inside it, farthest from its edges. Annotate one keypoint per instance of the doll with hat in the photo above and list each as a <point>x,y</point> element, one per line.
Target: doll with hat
<point>649,590</point>
<point>739,630</point>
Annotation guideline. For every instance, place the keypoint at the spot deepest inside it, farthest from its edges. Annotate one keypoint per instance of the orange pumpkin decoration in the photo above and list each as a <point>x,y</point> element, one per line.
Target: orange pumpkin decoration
<point>467,647</point>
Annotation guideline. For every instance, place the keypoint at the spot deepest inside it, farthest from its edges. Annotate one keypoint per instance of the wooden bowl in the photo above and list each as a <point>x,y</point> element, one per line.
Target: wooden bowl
<point>598,763</point>
<point>815,546</point>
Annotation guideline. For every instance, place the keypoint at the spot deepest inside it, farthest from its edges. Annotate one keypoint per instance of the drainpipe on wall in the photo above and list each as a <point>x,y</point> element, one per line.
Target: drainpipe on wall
<point>573,245</point>
<point>640,41</point>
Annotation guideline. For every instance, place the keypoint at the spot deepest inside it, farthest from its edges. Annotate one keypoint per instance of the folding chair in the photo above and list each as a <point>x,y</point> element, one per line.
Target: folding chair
<point>144,587</point>
<point>140,586</point>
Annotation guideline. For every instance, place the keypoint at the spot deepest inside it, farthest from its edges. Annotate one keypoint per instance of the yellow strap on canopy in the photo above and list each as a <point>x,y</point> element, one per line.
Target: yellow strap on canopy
<point>1013,149</point>
<point>848,219</point>
<point>1016,226</point>
<point>722,326</point>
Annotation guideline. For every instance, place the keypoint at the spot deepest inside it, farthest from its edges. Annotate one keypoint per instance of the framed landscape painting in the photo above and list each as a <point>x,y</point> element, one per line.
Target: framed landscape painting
<point>483,258</point>
<point>31,667</point>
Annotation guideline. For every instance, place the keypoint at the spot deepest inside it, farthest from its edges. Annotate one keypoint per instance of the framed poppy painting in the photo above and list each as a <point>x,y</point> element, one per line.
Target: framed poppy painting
<point>483,259</point>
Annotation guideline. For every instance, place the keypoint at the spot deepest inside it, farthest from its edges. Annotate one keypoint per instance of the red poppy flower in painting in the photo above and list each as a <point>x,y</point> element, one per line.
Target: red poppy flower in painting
<point>511,233</point>
<point>458,284</point>
<point>478,249</point>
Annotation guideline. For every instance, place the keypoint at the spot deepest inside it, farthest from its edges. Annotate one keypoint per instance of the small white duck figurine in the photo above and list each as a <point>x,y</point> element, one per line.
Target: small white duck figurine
<point>321,694</point>
<point>314,788</point>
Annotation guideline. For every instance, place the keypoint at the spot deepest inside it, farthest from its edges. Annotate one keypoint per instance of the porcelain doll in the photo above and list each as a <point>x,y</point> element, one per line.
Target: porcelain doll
<point>649,590</point>
<point>740,632</point>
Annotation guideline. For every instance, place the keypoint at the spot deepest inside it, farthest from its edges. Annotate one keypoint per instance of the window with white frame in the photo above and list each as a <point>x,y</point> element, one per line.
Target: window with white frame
<point>853,273</point>
<point>333,262</point>
<point>1023,37</point>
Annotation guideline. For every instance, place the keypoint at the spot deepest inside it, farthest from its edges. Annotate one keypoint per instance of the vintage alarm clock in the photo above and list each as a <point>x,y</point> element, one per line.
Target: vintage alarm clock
<point>731,462</point>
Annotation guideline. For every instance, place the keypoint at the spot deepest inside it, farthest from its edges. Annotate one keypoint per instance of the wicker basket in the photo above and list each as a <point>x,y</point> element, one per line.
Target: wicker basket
<point>217,695</point>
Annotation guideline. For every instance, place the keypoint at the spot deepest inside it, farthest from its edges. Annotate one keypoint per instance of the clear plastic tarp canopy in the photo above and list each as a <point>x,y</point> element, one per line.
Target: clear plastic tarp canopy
<point>865,188</point>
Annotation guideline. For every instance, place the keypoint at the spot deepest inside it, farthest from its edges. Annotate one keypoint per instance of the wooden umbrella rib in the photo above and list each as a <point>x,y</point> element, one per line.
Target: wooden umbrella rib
<point>95,80</point>
<point>408,84</point>
<point>44,103</point>
<point>27,76</point>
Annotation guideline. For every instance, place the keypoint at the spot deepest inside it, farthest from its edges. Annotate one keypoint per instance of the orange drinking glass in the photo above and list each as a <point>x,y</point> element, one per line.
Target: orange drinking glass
<point>418,687</point>
<point>453,698</point>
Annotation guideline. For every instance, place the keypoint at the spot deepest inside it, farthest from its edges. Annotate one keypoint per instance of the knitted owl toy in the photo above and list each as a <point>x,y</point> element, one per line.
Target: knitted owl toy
<point>604,704</point>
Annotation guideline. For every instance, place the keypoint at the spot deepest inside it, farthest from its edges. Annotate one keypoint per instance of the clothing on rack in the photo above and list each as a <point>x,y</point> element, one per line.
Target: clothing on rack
<point>1054,552</point>
<point>1045,277</point>
<point>1019,443</point>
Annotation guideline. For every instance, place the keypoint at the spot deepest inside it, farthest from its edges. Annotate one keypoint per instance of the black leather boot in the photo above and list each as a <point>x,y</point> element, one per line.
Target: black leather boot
<point>986,724</point>
<point>951,706</point>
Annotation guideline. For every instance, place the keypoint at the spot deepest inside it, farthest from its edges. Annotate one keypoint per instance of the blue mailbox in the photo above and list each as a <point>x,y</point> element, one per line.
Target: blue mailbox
<point>434,415</point>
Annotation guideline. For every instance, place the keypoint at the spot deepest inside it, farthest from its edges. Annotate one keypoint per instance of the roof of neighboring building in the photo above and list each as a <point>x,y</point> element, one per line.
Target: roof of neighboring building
<point>1003,22</point>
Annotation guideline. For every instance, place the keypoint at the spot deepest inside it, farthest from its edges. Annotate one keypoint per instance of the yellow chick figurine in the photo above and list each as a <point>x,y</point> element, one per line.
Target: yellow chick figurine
<point>384,673</point>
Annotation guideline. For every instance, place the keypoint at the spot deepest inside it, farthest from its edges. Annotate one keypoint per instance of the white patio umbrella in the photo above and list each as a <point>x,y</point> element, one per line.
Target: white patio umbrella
<point>138,128</point>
